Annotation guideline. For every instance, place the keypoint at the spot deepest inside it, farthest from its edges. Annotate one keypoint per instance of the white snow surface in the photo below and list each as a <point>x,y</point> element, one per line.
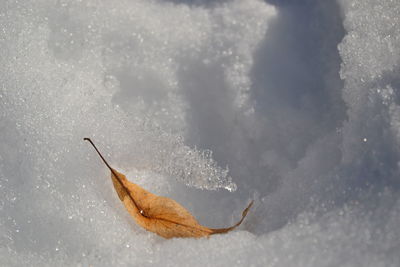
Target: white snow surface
<point>295,104</point>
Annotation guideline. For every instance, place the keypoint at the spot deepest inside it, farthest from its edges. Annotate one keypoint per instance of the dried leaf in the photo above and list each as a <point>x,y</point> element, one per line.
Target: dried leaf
<point>160,215</point>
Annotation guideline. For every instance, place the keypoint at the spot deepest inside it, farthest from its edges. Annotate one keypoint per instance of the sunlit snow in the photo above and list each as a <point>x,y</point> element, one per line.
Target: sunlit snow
<point>295,104</point>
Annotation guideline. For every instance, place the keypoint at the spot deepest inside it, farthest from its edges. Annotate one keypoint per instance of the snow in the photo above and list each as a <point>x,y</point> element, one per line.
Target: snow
<point>213,103</point>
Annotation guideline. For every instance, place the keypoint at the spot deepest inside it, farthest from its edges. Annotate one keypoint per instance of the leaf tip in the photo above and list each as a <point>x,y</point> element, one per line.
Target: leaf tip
<point>246,210</point>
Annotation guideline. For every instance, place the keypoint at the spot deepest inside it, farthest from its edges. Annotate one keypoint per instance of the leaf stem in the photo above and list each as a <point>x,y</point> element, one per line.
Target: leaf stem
<point>116,177</point>
<point>101,156</point>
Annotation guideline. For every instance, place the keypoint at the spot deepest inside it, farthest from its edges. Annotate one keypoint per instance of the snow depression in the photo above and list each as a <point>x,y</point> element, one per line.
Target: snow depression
<point>292,104</point>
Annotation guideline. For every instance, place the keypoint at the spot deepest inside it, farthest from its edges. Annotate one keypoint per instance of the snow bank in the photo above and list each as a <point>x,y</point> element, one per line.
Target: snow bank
<point>173,92</point>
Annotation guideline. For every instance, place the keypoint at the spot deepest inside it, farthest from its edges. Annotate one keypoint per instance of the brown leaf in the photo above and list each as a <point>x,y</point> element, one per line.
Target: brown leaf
<point>160,215</point>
